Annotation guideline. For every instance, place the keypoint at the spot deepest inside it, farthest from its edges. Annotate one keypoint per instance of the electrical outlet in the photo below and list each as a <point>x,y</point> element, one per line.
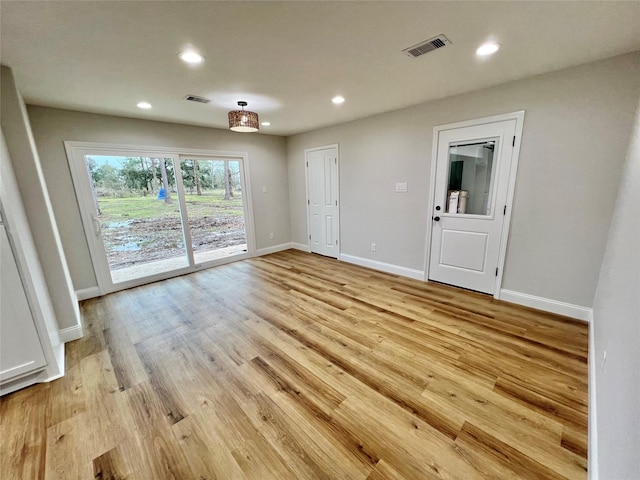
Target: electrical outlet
<point>272,236</point>
<point>401,187</point>
<point>264,189</point>
<point>373,247</point>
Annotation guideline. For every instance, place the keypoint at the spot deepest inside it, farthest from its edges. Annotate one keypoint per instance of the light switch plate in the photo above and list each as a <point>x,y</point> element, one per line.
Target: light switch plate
<point>401,187</point>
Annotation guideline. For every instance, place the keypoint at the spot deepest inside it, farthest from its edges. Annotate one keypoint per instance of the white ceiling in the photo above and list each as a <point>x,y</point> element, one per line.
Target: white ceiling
<point>288,59</point>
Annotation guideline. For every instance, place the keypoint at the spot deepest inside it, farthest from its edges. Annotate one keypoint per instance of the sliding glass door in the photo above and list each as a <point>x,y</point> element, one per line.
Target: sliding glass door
<point>215,207</point>
<point>150,215</point>
<point>137,215</point>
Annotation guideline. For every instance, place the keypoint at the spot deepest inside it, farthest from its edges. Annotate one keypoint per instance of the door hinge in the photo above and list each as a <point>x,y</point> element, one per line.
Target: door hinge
<point>309,237</point>
<point>336,242</point>
<point>514,141</point>
<point>335,160</point>
<point>307,164</point>
<point>496,271</point>
<point>336,203</point>
<point>505,210</point>
<point>308,202</point>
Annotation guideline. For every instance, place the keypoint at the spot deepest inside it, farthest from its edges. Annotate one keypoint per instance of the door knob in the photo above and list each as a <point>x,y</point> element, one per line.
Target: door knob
<point>436,219</point>
<point>438,208</point>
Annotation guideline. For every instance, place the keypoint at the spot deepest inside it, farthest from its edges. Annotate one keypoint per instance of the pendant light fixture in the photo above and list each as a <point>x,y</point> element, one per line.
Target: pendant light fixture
<point>243,120</point>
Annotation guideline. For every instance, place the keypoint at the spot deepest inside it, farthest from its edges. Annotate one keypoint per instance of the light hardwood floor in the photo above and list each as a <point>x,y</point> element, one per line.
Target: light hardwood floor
<point>294,366</point>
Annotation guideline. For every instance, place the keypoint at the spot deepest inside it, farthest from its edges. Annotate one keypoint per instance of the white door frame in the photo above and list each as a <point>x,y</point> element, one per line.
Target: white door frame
<point>519,118</point>
<point>307,151</point>
<point>80,176</point>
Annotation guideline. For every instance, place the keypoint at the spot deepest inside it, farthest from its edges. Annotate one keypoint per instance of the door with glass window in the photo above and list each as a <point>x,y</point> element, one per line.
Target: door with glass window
<point>472,175</point>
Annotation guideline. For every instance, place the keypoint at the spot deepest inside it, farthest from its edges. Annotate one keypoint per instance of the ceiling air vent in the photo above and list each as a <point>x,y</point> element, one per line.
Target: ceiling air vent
<point>196,98</point>
<point>427,46</point>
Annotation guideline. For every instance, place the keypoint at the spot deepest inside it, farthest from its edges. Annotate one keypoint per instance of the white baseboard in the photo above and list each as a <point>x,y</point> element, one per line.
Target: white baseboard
<point>86,293</point>
<point>58,352</point>
<point>383,267</point>
<point>301,246</point>
<point>593,410</point>
<point>71,333</point>
<point>546,304</point>
<point>274,249</point>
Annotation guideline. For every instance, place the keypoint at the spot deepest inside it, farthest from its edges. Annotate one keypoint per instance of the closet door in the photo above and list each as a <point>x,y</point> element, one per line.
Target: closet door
<point>20,349</point>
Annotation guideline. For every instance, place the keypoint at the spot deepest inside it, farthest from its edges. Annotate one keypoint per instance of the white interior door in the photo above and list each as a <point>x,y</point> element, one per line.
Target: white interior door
<point>322,187</point>
<point>467,227</point>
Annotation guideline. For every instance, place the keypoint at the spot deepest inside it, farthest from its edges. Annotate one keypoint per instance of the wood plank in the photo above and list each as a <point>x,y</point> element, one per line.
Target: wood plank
<point>411,446</point>
<point>205,451</point>
<point>67,457</point>
<point>109,466</point>
<point>535,435</point>
<point>126,364</point>
<point>24,432</point>
<point>384,471</point>
<point>522,465</point>
<point>575,441</point>
<point>66,397</point>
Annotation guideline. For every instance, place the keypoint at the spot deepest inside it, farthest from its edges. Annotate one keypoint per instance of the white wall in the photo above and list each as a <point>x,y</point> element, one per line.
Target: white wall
<point>576,132</point>
<point>35,197</point>
<point>51,127</point>
<point>616,328</point>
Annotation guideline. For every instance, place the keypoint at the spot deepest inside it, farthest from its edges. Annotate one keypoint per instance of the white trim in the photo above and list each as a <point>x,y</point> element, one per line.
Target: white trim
<point>249,219</point>
<point>300,246</point>
<point>274,249</point>
<point>147,150</point>
<point>592,455</point>
<point>383,267</point>
<point>184,217</point>
<point>547,304</point>
<point>87,293</point>
<point>58,351</point>
<point>215,263</point>
<point>71,333</point>
<point>515,156</point>
<point>39,376</point>
<point>504,238</point>
<point>22,382</point>
<point>307,151</point>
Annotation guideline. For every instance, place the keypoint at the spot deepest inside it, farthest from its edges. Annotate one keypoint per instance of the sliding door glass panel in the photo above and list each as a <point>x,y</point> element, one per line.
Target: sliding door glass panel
<point>215,207</point>
<point>138,211</point>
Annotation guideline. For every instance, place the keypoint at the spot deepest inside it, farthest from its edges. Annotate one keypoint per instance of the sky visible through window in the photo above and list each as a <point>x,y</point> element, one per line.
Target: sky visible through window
<point>107,159</point>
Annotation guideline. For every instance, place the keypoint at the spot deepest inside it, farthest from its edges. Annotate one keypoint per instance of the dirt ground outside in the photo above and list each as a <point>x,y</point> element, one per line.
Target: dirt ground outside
<point>141,229</point>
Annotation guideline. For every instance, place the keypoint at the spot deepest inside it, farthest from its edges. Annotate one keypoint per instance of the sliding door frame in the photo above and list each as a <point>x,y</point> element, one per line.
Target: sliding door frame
<point>76,152</point>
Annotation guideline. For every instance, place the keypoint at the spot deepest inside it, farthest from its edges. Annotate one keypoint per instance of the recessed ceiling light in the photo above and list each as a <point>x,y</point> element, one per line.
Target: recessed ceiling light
<point>338,100</point>
<point>265,124</point>
<point>144,105</point>
<point>192,57</point>
<point>487,49</point>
